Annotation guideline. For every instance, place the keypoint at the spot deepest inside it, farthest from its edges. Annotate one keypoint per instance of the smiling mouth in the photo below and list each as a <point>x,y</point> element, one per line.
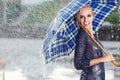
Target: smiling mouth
<point>86,24</point>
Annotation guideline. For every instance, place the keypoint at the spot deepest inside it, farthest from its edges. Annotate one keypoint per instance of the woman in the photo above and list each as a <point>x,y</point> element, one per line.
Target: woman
<point>88,56</point>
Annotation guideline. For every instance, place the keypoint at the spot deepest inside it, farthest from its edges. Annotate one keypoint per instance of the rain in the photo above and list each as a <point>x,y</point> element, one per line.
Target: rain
<point>23,26</point>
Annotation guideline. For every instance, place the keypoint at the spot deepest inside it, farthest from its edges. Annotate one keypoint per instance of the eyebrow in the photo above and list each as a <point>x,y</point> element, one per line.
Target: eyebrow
<point>83,15</point>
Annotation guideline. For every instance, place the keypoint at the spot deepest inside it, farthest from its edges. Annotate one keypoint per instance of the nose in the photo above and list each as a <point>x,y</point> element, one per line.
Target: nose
<point>85,19</point>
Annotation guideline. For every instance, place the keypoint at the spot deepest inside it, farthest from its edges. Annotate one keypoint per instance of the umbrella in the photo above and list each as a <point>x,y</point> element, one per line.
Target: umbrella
<point>61,34</point>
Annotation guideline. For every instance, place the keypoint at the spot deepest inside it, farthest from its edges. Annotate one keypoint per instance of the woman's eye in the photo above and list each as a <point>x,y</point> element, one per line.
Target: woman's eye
<point>89,15</point>
<point>81,17</point>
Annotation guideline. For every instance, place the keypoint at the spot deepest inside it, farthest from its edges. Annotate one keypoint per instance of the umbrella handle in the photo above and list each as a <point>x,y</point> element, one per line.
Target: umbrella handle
<point>105,52</point>
<point>118,55</point>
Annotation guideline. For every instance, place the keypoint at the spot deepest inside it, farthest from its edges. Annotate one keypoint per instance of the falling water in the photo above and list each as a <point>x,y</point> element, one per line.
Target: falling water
<point>22,30</point>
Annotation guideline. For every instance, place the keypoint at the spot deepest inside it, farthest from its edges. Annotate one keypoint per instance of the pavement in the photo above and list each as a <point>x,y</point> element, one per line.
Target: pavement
<point>24,61</point>
<point>70,73</point>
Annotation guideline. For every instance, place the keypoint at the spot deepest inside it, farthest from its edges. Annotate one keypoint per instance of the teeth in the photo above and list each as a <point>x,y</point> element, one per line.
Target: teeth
<point>86,23</point>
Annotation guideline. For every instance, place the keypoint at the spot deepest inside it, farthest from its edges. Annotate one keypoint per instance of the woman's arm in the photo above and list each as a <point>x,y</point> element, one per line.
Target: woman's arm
<point>107,58</point>
<point>80,61</point>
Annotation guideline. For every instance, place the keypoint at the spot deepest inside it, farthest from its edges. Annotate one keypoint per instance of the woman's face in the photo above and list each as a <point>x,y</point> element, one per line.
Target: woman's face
<point>85,17</point>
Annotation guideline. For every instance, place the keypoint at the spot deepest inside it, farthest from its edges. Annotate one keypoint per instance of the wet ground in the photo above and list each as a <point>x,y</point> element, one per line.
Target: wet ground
<point>66,73</point>
<point>24,61</point>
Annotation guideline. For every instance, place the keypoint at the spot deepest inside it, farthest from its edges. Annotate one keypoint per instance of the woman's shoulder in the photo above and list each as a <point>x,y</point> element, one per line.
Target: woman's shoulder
<point>81,36</point>
<point>81,33</point>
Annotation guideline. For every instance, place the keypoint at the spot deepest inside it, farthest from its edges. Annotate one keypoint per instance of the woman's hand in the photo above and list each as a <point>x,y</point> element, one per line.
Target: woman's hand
<point>108,57</point>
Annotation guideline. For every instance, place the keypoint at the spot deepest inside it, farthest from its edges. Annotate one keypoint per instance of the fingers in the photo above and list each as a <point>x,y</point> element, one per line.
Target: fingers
<point>109,57</point>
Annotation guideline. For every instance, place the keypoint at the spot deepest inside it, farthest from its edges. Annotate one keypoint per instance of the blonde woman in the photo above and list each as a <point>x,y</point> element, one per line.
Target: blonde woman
<point>88,56</point>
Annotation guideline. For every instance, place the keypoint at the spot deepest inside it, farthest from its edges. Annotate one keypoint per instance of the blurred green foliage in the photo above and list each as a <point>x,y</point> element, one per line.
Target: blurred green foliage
<point>10,8</point>
<point>45,12</point>
<point>14,9</point>
<point>0,11</point>
<point>114,18</point>
<point>42,14</point>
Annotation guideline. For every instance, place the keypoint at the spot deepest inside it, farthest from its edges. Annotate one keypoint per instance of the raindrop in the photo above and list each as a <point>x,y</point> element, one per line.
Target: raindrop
<point>112,36</point>
<point>118,29</point>
<point>117,37</point>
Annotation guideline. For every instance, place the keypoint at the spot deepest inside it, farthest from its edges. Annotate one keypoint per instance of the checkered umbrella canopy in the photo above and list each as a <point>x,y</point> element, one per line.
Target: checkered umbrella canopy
<point>61,34</point>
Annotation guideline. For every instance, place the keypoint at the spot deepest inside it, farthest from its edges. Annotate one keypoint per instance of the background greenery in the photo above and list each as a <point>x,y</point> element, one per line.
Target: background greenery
<point>42,13</point>
<point>10,9</point>
<point>49,9</point>
<point>38,18</point>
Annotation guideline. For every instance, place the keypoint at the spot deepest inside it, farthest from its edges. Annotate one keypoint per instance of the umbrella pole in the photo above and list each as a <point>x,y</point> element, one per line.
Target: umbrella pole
<point>105,52</point>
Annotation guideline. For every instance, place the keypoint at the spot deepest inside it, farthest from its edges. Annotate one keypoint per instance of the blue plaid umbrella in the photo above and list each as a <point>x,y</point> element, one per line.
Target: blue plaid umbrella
<point>61,34</point>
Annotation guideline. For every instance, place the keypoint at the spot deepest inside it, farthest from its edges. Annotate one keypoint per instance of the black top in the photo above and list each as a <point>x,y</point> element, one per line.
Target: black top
<point>85,51</point>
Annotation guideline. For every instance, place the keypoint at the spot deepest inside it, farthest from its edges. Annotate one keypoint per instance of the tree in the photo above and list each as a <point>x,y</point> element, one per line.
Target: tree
<point>9,10</point>
<point>115,16</point>
<point>4,11</point>
<point>14,9</point>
